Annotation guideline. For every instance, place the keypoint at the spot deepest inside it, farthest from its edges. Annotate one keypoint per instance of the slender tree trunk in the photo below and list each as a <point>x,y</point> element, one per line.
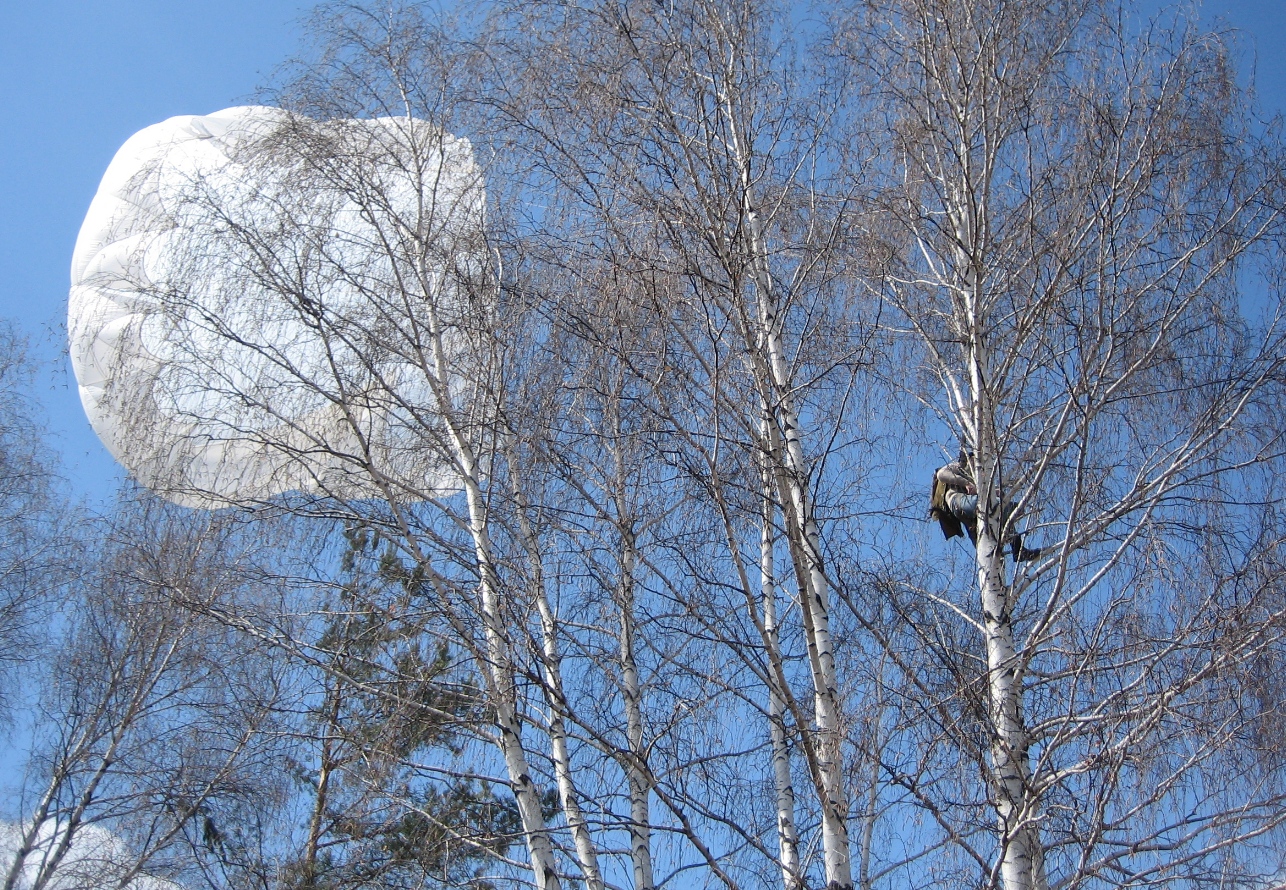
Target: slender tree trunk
<point>640,784</point>
<point>500,681</point>
<point>498,670</point>
<point>1022,858</point>
<point>637,773</point>
<point>325,769</point>
<point>1022,867</point>
<point>787,834</point>
<point>32,833</point>
<point>586,854</point>
<point>815,594</point>
<point>875,745</point>
<point>66,829</point>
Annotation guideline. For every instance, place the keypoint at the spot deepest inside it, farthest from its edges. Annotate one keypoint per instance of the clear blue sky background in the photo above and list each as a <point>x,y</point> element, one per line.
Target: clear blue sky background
<point>78,77</point>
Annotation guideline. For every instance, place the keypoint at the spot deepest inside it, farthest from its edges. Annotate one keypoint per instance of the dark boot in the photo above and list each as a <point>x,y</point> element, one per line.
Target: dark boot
<point>1021,553</point>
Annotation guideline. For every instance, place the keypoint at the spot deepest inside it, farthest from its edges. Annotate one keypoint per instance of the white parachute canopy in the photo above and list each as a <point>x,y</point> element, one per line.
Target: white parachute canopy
<point>263,303</point>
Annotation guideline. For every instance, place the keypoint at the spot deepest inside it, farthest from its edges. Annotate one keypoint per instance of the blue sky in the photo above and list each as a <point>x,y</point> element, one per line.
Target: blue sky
<point>78,77</point>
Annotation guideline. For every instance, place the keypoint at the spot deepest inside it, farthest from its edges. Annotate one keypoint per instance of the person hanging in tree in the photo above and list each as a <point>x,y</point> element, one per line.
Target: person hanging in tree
<point>953,501</point>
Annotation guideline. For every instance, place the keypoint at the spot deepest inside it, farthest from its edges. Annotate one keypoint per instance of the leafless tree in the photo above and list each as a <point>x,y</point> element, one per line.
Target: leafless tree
<point>33,558</point>
<point>1080,227</point>
<point>641,385</point>
<point>153,723</point>
<point>681,156</point>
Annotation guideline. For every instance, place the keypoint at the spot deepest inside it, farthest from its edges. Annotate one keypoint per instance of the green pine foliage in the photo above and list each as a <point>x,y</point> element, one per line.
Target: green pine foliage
<point>388,806</point>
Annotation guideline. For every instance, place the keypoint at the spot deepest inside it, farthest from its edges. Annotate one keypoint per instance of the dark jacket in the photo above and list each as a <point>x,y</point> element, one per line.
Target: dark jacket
<point>954,476</point>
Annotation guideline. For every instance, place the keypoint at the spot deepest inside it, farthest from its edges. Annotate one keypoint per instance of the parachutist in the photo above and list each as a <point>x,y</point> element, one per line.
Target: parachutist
<point>953,502</point>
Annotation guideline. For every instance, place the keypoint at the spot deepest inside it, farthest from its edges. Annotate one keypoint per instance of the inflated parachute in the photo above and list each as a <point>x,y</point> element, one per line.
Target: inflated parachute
<point>262,303</point>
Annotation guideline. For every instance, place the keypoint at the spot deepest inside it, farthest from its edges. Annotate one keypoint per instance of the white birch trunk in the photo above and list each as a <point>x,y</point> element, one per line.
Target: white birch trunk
<point>637,774</point>
<point>640,785</point>
<point>499,676</point>
<point>65,830</point>
<point>787,834</point>
<point>498,670</point>
<point>806,540</point>
<point>1022,866</point>
<point>814,601</point>
<point>324,770</point>
<point>586,853</point>
<point>1022,857</point>
<point>32,833</point>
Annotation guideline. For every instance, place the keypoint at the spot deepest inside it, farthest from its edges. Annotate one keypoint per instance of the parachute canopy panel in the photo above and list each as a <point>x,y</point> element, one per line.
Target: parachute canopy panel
<point>262,303</point>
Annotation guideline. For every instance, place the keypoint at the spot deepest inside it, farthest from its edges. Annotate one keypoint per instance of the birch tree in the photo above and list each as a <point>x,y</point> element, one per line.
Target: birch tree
<point>686,159</point>
<point>153,724</point>
<point>505,414</point>
<point>1081,232</point>
<point>34,532</point>
<point>425,313</point>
